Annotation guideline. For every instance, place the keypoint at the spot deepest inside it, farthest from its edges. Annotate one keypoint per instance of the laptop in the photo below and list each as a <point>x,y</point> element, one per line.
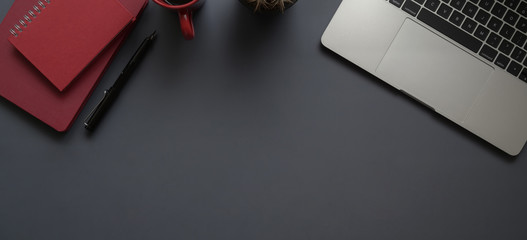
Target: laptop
<point>465,59</point>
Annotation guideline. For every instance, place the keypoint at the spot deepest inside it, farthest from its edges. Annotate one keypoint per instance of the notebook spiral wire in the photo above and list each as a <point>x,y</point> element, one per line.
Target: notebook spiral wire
<point>31,14</point>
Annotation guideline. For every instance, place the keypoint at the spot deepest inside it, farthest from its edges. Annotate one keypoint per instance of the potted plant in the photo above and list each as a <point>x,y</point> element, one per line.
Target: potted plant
<point>268,6</point>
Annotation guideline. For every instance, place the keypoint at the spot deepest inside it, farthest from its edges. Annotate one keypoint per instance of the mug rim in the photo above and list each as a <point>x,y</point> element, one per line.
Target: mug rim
<point>164,4</point>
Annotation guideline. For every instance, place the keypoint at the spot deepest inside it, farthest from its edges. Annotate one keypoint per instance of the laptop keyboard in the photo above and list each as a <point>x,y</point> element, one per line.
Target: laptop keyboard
<point>494,29</point>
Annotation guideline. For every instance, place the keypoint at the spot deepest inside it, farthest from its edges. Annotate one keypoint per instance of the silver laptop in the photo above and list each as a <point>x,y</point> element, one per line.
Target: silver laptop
<point>466,59</point>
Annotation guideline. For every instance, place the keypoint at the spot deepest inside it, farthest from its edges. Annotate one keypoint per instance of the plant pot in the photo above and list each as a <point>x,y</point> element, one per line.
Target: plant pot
<point>277,9</point>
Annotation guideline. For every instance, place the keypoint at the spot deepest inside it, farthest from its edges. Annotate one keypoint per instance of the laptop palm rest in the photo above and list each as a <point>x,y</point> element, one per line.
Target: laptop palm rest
<point>412,64</point>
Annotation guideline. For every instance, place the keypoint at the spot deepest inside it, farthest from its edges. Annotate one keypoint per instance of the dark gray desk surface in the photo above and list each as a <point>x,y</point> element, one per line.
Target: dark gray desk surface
<point>253,131</point>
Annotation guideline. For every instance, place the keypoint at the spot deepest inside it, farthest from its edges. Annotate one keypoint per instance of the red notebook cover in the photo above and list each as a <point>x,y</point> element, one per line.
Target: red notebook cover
<point>22,84</point>
<point>61,37</point>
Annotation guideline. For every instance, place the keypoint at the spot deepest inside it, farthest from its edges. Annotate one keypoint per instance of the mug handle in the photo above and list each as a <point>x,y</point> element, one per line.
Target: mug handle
<point>187,27</point>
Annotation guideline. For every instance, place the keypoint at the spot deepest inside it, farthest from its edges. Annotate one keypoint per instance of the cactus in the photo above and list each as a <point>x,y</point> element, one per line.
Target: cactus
<point>268,5</point>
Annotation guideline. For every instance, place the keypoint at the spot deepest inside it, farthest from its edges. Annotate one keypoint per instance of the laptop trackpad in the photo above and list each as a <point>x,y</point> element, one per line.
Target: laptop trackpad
<point>433,70</point>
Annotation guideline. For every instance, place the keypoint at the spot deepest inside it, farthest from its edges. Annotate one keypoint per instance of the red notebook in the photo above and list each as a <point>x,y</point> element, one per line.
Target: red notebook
<point>61,37</point>
<point>22,84</point>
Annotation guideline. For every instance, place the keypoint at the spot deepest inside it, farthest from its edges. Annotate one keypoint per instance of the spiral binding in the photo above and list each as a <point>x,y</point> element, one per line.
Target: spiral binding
<point>23,23</point>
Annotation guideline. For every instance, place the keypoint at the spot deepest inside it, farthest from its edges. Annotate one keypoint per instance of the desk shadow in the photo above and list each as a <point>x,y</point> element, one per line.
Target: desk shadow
<point>30,120</point>
<point>250,33</point>
<point>175,47</point>
<point>489,148</point>
<point>253,45</point>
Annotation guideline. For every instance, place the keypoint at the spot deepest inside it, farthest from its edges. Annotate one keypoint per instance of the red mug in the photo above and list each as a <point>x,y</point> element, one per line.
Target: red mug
<point>184,10</point>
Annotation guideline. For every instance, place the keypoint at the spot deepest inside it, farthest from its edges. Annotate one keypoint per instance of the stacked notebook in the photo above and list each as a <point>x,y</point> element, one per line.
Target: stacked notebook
<point>55,51</point>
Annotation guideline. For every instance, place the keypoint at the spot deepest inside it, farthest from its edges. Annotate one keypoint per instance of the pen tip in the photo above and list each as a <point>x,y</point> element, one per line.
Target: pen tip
<point>153,35</point>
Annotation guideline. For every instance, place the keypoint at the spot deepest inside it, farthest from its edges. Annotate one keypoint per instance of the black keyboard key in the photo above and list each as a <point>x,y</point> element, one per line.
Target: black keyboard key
<point>449,30</point>
<point>522,9</point>
<point>488,53</point>
<point>486,4</point>
<point>432,5</point>
<point>470,9</point>
<point>502,61</point>
<point>494,40</point>
<point>514,68</point>
<point>522,25</point>
<point>411,8</point>
<point>495,24</point>
<point>481,33</point>
<point>420,1</point>
<point>507,31</point>
<point>518,54</point>
<point>458,4</point>
<point>444,11</point>
<point>506,47</point>
<point>511,17</point>
<point>499,10</point>
<point>482,17</point>
<point>457,18</point>
<point>512,3</point>
<point>397,3</point>
<point>523,75</point>
<point>519,39</point>
<point>469,25</point>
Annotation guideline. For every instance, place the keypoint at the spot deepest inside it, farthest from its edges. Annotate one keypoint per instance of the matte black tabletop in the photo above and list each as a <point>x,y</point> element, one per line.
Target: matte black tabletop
<point>253,130</point>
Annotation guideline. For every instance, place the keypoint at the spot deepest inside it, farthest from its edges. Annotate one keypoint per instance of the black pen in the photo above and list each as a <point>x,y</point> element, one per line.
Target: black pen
<point>111,94</point>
